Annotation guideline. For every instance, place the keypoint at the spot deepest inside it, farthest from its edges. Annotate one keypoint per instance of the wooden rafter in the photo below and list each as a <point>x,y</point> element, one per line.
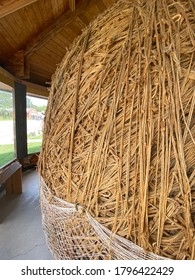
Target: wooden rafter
<point>19,63</point>
<point>56,26</point>
<point>9,6</point>
<point>9,79</point>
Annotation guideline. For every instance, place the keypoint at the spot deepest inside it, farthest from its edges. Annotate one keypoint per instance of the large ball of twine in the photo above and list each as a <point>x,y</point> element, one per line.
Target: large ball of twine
<point>120,126</point>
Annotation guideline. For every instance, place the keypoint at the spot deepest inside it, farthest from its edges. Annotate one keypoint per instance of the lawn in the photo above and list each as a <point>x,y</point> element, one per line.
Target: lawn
<point>7,151</point>
<point>36,137</point>
<point>6,118</point>
<point>34,147</point>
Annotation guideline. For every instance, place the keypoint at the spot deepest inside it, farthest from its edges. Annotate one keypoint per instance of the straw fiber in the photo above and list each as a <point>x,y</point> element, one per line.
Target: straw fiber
<point>72,233</point>
<point>120,126</point>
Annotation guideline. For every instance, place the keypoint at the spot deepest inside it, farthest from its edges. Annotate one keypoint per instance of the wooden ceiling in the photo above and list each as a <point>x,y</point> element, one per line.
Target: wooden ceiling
<point>35,34</point>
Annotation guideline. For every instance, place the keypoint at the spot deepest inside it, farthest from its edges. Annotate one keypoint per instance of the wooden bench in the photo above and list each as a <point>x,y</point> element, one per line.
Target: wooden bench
<point>11,178</point>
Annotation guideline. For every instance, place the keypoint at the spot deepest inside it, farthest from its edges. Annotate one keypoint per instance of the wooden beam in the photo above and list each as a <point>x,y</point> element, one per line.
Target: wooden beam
<point>19,65</point>
<point>37,90</point>
<point>15,64</point>
<point>71,5</point>
<point>56,26</point>
<point>9,6</point>
<point>8,78</point>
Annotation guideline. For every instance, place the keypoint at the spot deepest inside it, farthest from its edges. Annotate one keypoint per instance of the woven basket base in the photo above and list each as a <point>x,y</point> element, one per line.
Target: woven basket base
<point>73,234</point>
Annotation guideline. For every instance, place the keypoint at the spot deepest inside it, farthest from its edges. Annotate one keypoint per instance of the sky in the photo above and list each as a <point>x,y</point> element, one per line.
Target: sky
<point>38,101</point>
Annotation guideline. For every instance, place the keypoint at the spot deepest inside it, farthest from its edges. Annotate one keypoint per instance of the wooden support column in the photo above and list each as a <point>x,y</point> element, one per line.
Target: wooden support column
<point>20,119</point>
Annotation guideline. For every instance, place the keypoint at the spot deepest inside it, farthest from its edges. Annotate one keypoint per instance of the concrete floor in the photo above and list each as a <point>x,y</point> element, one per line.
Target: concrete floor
<point>21,235</point>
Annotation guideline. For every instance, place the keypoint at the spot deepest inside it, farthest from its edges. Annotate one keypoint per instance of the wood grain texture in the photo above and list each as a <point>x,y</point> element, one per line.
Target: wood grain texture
<point>56,26</point>
<point>45,26</point>
<point>72,4</point>
<point>10,6</point>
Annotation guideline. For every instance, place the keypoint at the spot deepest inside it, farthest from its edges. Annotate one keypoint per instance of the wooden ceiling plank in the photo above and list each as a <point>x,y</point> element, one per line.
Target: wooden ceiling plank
<point>6,45</point>
<point>71,5</point>
<point>22,32</point>
<point>55,50</point>
<point>56,8</point>
<point>37,12</point>
<point>41,72</point>
<point>46,51</point>
<point>45,65</point>
<point>9,34</point>
<point>46,11</point>
<point>63,5</point>
<point>56,26</point>
<point>63,38</point>
<point>46,34</point>
<point>107,3</point>
<point>27,27</point>
<point>32,20</point>
<point>10,6</point>
<point>61,41</point>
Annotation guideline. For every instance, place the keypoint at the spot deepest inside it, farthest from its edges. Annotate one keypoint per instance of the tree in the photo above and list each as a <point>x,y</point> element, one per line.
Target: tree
<point>29,103</point>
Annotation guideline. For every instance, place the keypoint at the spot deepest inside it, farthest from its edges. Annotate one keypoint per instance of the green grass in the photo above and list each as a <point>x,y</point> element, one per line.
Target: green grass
<point>2,118</point>
<point>30,137</point>
<point>7,151</point>
<point>6,154</point>
<point>34,147</point>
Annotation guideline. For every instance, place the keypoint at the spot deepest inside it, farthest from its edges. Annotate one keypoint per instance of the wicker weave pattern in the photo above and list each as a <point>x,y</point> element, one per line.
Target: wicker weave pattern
<point>72,233</point>
<point>120,126</point>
